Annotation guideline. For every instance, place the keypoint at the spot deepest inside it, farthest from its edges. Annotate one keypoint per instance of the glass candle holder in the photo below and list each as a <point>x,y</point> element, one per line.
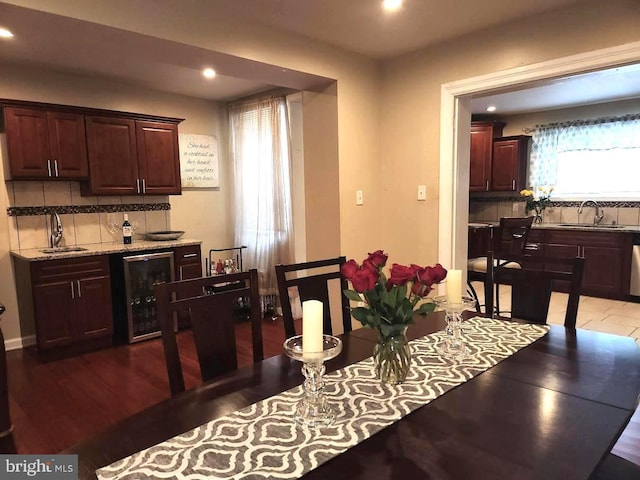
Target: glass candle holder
<point>453,346</point>
<point>313,410</point>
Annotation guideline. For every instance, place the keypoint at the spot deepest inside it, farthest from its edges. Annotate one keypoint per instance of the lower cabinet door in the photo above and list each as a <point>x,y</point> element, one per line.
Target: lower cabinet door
<point>602,271</point>
<point>54,311</point>
<point>93,315</point>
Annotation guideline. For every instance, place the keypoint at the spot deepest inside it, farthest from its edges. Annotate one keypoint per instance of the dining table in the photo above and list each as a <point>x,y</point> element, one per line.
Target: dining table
<point>551,410</point>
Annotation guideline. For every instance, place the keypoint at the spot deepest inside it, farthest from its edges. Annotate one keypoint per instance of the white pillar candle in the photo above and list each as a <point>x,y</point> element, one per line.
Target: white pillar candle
<point>312,326</point>
<point>454,286</point>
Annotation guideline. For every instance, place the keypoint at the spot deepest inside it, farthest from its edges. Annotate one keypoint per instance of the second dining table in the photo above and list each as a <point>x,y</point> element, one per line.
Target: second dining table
<point>551,410</point>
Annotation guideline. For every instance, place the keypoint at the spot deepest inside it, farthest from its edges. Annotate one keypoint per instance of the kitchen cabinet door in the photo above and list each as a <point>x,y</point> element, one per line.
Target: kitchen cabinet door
<point>53,309</point>
<point>90,322</point>
<point>68,145</point>
<point>158,158</point>
<point>46,144</point>
<point>27,142</point>
<point>509,163</point>
<point>113,156</point>
<point>481,151</point>
<point>603,272</point>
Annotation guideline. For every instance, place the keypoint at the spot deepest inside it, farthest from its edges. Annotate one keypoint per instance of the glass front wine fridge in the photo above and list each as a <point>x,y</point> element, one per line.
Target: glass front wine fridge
<point>141,273</point>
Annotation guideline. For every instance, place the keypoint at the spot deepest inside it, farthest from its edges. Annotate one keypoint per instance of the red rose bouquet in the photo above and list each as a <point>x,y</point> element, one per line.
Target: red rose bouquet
<point>390,302</point>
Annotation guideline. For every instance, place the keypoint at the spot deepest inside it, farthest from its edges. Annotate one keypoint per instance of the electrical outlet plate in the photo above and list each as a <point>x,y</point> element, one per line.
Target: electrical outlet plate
<point>422,192</point>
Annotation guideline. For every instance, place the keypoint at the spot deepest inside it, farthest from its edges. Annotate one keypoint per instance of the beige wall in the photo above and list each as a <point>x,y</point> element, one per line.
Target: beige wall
<point>201,213</point>
<point>410,112</point>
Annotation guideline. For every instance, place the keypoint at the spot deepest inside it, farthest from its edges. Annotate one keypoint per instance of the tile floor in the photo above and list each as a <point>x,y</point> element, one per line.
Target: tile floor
<point>602,315</point>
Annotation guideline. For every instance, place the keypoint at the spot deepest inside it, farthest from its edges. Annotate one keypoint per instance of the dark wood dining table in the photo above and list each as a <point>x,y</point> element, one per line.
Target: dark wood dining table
<point>552,410</point>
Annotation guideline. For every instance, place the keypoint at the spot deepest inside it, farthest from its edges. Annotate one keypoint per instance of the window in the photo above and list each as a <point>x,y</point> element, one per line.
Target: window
<point>591,158</point>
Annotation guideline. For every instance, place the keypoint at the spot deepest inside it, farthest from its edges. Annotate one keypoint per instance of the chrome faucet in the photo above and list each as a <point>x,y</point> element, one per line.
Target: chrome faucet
<point>599,214</point>
<point>56,229</point>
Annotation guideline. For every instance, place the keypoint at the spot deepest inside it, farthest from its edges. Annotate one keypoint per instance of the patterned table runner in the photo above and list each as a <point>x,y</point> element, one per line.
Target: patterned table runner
<point>262,441</point>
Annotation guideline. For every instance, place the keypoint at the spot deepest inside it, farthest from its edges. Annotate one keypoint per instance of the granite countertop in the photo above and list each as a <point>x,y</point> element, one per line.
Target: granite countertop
<point>584,227</point>
<point>36,254</point>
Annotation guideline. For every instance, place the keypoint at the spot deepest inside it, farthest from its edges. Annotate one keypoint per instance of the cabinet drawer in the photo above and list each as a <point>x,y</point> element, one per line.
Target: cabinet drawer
<point>594,239</point>
<point>187,255</point>
<point>69,268</point>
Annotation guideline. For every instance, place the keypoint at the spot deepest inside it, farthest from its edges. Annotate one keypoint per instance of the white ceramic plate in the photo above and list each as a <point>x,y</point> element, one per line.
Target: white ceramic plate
<point>169,235</point>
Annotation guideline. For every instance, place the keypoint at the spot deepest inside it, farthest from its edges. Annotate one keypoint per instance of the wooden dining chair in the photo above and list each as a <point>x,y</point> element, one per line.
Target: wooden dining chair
<point>7,442</point>
<point>212,316</point>
<point>312,280</point>
<point>532,284</point>
<point>510,238</point>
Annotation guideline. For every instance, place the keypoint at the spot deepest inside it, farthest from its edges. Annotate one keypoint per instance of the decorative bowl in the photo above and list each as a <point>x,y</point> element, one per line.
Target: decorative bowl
<point>167,235</point>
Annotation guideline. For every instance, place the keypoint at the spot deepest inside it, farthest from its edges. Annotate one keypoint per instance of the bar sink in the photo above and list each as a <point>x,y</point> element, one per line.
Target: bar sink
<point>63,249</point>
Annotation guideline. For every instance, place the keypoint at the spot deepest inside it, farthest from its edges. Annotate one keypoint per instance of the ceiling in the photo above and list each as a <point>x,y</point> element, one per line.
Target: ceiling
<point>65,44</point>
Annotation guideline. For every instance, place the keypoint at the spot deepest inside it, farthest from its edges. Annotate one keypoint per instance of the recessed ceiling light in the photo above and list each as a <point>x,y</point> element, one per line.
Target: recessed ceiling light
<point>209,72</point>
<point>4,33</point>
<point>491,108</point>
<point>391,5</point>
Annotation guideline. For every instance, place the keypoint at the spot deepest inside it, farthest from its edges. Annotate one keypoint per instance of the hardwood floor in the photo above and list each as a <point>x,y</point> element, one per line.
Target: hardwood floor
<point>57,404</point>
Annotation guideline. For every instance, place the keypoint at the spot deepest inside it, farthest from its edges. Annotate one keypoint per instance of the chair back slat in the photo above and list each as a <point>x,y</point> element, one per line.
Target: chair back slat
<point>511,236</point>
<point>212,315</point>
<point>312,286</point>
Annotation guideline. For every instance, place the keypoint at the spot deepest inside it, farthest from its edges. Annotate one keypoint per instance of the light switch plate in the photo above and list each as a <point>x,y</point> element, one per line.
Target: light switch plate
<point>422,192</point>
<point>359,197</point>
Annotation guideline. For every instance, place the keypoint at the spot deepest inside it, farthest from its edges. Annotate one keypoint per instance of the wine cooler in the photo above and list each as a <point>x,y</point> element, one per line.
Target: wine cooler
<point>141,273</point>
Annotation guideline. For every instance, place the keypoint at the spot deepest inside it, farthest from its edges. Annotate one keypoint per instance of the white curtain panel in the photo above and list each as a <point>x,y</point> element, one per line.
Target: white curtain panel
<point>261,169</point>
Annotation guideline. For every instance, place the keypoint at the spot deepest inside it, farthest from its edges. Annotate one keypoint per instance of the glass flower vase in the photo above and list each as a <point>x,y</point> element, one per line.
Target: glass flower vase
<point>538,214</point>
<point>392,356</point>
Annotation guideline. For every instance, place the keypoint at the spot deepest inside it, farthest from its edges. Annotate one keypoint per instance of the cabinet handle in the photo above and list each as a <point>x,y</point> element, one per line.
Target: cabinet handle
<point>79,291</point>
<point>73,295</point>
<point>181,273</point>
<point>189,255</point>
<point>55,164</point>
<point>49,167</point>
<point>144,186</point>
<point>513,185</point>
<point>487,187</point>
<point>137,185</point>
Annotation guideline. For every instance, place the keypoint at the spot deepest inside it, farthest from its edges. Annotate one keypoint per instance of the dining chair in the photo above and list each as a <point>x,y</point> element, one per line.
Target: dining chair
<point>532,283</point>
<point>7,442</point>
<point>509,238</point>
<point>312,281</point>
<point>212,316</point>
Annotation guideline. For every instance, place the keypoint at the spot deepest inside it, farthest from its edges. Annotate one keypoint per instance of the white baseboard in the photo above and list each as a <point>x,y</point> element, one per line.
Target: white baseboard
<point>18,343</point>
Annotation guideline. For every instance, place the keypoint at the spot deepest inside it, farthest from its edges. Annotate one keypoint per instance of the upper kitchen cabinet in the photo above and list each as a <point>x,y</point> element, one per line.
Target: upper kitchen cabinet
<point>113,156</point>
<point>158,158</point>
<point>509,163</point>
<point>482,135</point>
<point>129,156</point>
<point>44,143</point>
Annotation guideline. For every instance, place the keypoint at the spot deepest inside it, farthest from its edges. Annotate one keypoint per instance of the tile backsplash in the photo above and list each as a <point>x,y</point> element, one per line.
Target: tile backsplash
<point>85,220</point>
<point>491,210</point>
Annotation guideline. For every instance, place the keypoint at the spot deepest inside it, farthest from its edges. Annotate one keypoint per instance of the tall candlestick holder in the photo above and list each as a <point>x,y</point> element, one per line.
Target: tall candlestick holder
<point>313,410</point>
<point>453,346</point>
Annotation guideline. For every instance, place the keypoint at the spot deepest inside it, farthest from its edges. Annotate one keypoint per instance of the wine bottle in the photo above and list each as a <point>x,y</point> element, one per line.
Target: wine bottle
<point>126,230</point>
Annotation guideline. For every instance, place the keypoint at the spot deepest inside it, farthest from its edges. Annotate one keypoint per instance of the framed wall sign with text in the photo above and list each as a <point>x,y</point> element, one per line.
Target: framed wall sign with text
<point>198,161</point>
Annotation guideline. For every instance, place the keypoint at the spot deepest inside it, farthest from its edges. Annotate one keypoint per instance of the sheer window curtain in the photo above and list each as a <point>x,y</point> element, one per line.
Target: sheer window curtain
<point>554,139</point>
<point>261,167</point>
